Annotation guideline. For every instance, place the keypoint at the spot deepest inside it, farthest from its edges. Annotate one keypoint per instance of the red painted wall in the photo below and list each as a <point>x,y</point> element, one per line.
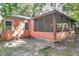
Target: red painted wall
<point>49,35</point>
<point>6,34</point>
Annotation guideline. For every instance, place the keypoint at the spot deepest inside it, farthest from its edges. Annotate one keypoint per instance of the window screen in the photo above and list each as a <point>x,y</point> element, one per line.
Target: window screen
<point>58,27</point>
<point>8,25</point>
<point>39,25</point>
<point>70,24</point>
<point>65,27</point>
<point>62,23</point>
<point>59,19</point>
<point>62,27</point>
<point>36,25</point>
<point>49,23</point>
<point>44,25</point>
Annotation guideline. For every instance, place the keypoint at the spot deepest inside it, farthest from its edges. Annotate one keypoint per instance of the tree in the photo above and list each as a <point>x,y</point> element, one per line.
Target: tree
<point>72,9</point>
<point>7,9</point>
<point>35,9</point>
<point>31,10</point>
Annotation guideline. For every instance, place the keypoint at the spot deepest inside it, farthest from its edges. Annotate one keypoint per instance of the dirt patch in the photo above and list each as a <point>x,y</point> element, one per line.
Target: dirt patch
<point>34,47</point>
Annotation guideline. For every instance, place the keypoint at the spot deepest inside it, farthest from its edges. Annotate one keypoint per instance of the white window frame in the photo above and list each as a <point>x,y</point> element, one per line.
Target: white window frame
<point>12,24</point>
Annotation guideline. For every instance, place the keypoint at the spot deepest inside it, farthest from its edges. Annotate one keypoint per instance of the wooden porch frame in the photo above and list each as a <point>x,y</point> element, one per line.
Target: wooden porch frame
<point>54,26</point>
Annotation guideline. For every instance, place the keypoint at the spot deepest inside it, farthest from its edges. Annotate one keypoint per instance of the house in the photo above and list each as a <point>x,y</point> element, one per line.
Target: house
<point>11,25</point>
<point>52,26</point>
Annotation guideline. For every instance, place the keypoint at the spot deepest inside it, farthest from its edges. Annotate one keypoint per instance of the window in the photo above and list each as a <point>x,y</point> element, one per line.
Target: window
<point>39,25</point>
<point>26,26</point>
<point>8,25</point>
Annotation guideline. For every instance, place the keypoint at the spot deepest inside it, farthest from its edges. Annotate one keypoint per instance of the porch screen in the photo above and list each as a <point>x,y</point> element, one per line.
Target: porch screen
<point>49,23</point>
<point>8,25</point>
<point>62,23</point>
<point>39,25</point>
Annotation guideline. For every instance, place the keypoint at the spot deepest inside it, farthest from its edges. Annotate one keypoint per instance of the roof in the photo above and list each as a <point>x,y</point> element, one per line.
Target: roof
<point>20,16</point>
<point>57,12</point>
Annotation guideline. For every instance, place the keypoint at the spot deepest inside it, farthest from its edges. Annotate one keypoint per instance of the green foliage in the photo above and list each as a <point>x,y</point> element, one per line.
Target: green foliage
<point>36,9</point>
<point>7,9</point>
<point>72,9</point>
<point>0,26</point>
<point>31,10</point>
